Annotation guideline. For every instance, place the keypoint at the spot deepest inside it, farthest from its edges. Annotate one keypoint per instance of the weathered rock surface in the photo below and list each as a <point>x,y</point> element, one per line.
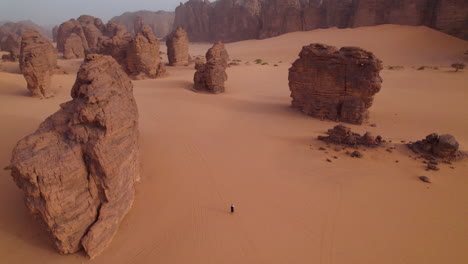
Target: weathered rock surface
<point>12,44</point>
<point>54,33</point>
<point>138,25</point>
<point>444,146</point>
<point>116,47</point>
<point>343,135</point>
<point>38,61</point>
<point>160,22</point>
<point>68,28</point>
<point>234,20</point>
<point>210,76</point>
<point>143,59</point>
<point>73,47</point>
<point>178,48</point>
<point>77,171</point>
<point>90,30</point>
<point>339,85</point>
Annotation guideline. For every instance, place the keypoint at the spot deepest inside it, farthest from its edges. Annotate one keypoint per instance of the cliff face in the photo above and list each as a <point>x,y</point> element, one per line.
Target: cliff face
<point>160,22</point>
<point>234,20</point>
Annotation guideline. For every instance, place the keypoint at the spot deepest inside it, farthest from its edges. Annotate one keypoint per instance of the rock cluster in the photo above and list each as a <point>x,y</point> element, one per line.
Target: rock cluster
<point>210,76</point>
<point>78,170</point>
<point>178,48</point>
<point>38,61</point>
<point>75,38</point>
<point>234,20</point>
<point>443,147</point>
<point>143,59</point>
<point>17,29</point>
<point>343,135</point>
<point>339,85</point>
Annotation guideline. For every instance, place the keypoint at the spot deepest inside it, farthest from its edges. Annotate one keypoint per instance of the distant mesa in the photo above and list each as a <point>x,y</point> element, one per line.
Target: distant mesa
<point>333,84</point>
<point>38,62</point>
<point>77,171</point>
<point>160,22</point>
<point>210,76</point>
<point>234,20</point>
<point>178,47</point>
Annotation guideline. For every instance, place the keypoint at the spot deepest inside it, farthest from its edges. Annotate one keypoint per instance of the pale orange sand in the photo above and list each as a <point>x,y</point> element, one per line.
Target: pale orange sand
<point>248,147</point>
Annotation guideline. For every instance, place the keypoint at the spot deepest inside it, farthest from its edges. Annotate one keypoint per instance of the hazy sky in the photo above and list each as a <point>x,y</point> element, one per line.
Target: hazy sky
<point>47,12</point>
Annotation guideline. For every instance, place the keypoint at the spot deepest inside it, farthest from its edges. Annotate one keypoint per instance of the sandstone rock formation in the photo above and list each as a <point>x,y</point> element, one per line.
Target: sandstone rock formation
<point>178,48</point>
<point>117,47</point>
<point>74,47</point>
<point>143,59</point>
<point>343,135</point>
<point>19,29</point>
<point>77,171</point>
<point>12,44</point>
<point>38,61</point>
<point>89,30</point>
<point>160,22</point>
<point>443,147</point>
<point>68,28</point>
<point>138,25</point>
<point>234,20</point>
<point>339,85</point>
<point>210,76</point>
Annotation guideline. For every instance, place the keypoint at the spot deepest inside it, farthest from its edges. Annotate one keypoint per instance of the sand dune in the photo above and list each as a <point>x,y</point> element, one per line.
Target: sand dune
<point>248,147</point>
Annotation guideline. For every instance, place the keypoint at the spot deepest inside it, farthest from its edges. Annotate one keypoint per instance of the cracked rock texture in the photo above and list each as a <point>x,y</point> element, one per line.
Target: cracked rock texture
<point>77,171</point>
<point>339,85</point>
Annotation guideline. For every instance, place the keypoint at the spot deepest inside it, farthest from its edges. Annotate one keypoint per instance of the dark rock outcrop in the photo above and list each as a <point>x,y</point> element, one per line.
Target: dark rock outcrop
<point>160,22</point>
<point>38,61</point>
<point>178,48</point>
<point>234,20</point>
<point>77,171</point>
<point>339,85</point>
<point>210,76</point>
<point>443,147</point>
<point>343,135</point>
<point>143,59</point>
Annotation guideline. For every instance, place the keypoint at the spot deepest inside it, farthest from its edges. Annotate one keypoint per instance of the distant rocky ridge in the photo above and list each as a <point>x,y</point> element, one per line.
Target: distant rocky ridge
<point>13,31</point>
<point>160,22</point>
<point>235,20</point>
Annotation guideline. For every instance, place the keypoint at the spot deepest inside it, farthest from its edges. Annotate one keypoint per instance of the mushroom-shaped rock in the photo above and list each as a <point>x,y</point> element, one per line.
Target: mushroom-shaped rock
<point>178,48</point>
<point>335,84</point>
<point>210,76</point>
<point>38,61</point>
<point>77,171</point>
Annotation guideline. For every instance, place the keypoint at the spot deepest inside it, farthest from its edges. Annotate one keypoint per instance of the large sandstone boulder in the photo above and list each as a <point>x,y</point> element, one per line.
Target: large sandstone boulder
<point>93,29</point>
<point>210,76</point>
<point>178,48</point>
<point>78,170</point>
<point>38,61</point>
<point>143,59</point>
<point>117,47</point>
<point>68,28</point>
<point>12,44</point>
<point>343,135</point>
<point>339,85</point>
<point>73,47</point>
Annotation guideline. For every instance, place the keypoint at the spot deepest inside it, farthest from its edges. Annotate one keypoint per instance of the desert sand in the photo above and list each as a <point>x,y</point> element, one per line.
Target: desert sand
<point>248,147</point>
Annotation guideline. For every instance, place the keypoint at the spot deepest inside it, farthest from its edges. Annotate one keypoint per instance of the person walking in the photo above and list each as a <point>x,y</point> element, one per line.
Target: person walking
<point>232,208</point>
